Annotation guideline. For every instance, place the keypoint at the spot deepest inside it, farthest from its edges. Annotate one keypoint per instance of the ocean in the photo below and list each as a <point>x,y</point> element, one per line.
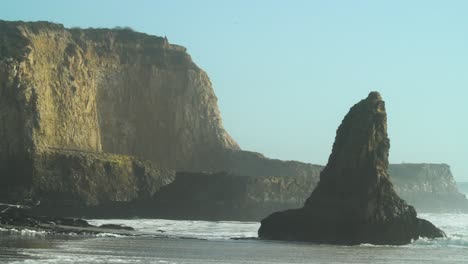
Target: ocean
<point>171,242</point>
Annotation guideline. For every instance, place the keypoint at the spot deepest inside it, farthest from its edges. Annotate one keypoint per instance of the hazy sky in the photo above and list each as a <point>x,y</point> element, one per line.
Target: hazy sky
<point>286,72</point>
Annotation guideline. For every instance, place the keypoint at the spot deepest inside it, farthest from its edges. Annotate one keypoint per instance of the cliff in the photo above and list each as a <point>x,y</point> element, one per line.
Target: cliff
<point>429,187</point>
<point>226,196</point>
<point>114,91</point>
<point>242,197</point>
<point>354,201</point>
<point>66,183</point>
<point>100,91</point>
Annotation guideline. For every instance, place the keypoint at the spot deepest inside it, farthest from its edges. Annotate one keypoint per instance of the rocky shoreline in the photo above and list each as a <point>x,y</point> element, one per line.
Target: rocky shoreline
<point>15,217</point>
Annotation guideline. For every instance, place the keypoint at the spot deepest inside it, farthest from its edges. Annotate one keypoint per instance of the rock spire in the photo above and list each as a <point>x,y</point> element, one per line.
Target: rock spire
<point>354,201</point>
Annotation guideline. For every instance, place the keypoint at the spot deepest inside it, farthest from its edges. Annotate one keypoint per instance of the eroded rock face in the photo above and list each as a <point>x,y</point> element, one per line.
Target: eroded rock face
<point>93,91</point>
<point>114,91</point>
<point>354,201</point>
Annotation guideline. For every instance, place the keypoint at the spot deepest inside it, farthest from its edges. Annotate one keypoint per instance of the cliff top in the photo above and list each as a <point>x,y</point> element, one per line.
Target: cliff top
<point>141,40</point>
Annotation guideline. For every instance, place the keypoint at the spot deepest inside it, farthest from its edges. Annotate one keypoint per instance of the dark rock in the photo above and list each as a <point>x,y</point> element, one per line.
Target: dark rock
<point>70,222</point>
<point>117,227</point>
<point>226,196</point>
<point>19,218</point>
<point>354,201</point>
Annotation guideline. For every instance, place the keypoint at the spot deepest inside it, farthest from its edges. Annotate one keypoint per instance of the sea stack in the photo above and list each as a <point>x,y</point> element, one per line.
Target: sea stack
<point>354,201</point>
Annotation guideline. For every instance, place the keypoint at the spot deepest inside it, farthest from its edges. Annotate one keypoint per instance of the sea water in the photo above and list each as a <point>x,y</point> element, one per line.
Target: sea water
<point>170,241</point>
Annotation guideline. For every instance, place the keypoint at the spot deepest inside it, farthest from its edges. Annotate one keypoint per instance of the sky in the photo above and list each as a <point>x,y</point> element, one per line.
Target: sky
<point>286,72</point>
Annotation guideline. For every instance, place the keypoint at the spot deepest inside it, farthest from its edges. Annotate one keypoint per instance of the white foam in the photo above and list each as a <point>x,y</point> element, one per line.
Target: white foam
<point>109,235</point>
<point>24,232</point>
<point>455,227</point>
<point>188,229</point>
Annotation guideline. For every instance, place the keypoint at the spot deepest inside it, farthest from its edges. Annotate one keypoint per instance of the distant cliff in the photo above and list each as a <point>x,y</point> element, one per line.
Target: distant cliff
<point>429,187</point>
<point>227,196</point>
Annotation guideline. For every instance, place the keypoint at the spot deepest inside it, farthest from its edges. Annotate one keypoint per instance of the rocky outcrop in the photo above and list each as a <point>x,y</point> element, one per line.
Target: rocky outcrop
<point>226,196</point>
<point>431,188</point>
<point>16,217</point>
<point>257,165</point>
<point>354,201</point>
<point>76,183</point>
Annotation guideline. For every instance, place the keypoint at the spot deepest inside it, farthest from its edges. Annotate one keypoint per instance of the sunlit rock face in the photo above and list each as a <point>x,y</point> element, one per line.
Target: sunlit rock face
<point>354,201</point>
<point>106,90</point>
<point>101,91</point>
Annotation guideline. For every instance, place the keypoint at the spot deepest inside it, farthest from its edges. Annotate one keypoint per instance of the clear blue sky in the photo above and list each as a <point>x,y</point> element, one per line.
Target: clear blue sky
<point>286,72</point>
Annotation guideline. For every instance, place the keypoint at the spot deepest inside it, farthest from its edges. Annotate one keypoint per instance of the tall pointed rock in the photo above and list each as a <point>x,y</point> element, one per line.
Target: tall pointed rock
<point>354,201</point>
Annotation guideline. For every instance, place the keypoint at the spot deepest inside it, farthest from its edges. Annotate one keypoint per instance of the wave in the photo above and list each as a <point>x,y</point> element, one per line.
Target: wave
<point>454,225</point>
<point>187,229</point>
<point>450,241</point>
<point>23,232</point>
<point>31,232</point>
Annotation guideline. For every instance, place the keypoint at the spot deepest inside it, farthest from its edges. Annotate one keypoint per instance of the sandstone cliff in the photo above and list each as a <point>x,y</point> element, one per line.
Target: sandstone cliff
<point>114,91</point>
<point>354,201</point>
<point>102,91</point>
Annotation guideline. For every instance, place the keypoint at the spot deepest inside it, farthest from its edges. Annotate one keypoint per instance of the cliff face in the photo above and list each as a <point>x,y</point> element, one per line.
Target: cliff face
<point>102,91</point>
<point>84,183</point>
<point>429,187</point>
<point>96,178</point>
<point>115,91</point>
<point>354,201</point>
